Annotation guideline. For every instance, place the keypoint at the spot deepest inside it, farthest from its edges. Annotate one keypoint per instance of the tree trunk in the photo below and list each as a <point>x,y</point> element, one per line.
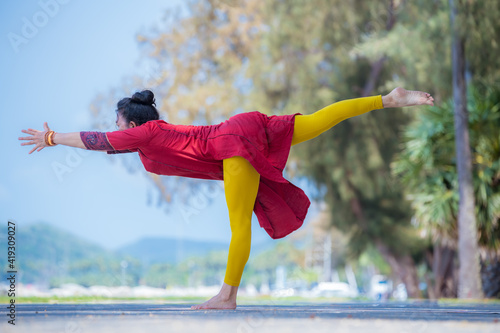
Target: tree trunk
<point>469,283</point>
<point>403,267</point>
<point>443,282</point>
<point>491,278</point>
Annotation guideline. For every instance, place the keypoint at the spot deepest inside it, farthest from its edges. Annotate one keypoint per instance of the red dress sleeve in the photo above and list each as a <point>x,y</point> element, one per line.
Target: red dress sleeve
<point>95,141</point>
<point>128,140</point>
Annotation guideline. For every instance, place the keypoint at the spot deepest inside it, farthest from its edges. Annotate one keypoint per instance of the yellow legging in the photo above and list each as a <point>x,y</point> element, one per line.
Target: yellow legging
<point>241,180</point>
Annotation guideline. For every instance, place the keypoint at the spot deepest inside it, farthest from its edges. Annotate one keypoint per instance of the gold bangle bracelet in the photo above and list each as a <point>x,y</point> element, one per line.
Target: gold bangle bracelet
<point>51,138</point>
<point>46,137</point>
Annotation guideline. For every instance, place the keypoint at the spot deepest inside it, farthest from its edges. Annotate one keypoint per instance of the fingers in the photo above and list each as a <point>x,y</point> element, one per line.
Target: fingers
<point>29,131</point>
<point>38,147</point>
<point>35,138</point>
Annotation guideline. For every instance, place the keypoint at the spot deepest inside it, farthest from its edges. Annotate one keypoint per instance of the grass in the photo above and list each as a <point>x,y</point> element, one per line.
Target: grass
<point>96,299</point>
<point>461,301</point>
<point>242,300</point>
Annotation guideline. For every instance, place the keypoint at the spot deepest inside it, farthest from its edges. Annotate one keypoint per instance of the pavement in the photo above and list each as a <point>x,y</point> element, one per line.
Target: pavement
<point>385,317</point>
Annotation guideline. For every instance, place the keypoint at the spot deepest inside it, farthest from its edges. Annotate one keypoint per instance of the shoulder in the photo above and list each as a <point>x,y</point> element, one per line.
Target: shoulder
<point>154,123</point>
<point>152,126</point>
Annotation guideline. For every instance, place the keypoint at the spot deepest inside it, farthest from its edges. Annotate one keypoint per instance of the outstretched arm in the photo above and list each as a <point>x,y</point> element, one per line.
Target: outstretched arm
<point>72,139</point>
<point>38,138</point>
<point>112,142</point>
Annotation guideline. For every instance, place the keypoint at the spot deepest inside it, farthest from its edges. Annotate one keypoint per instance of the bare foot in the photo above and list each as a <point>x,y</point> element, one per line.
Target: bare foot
<point>400,97</point>
<point>217,302</point>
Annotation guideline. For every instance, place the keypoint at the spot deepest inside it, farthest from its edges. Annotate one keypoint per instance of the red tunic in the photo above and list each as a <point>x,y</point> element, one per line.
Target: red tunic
<point>198,151</point>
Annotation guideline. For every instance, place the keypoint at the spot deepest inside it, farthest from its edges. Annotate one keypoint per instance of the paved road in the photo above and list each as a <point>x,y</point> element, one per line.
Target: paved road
<point>343,317</point>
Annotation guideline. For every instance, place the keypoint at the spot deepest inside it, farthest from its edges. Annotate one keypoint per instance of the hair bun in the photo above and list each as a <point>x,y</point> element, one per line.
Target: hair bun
<point>145,97</point>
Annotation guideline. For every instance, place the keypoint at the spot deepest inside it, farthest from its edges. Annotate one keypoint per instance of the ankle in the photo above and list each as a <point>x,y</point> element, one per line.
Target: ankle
<point>387,101</point>
<point>228,292</point>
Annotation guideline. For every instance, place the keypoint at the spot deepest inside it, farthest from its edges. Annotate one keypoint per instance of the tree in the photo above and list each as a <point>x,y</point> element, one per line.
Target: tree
<point>469,275</point>
<point>427,168</point>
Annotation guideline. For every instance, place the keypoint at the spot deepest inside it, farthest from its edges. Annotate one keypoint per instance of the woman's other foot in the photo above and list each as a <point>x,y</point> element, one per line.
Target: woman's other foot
<point>400,97</point>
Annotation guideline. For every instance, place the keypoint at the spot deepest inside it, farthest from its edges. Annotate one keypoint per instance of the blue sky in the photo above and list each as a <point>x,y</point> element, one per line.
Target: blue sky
<point>72,50</point>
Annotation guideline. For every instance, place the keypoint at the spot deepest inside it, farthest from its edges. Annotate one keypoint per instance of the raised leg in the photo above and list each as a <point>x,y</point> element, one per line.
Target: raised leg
<point>310,126</point>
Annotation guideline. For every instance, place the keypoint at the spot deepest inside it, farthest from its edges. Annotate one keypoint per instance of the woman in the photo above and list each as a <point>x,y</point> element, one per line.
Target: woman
<point>248,152</point>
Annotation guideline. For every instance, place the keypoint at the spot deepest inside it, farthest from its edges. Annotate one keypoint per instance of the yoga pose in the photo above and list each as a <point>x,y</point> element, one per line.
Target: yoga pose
<point>248,152</point>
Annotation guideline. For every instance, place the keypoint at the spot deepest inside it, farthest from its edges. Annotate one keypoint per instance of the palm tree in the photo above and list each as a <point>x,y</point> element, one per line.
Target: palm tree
<point>427,168</point>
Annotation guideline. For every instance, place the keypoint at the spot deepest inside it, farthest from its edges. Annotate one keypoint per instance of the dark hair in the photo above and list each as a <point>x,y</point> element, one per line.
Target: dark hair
<point>140,108</point>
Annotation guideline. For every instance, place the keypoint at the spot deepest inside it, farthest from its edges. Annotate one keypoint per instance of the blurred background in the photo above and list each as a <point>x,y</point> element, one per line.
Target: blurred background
<point>383,224</point>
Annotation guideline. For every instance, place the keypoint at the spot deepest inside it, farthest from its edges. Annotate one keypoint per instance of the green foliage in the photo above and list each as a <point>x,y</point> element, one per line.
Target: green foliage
<point>372,257</point>
<point>417,48</point>
<point>427,167</point>
<point>482,31</point>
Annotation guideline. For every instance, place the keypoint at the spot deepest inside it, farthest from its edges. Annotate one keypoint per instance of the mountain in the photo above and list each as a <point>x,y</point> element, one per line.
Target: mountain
<point>44,252</point>
<point>49,256</point>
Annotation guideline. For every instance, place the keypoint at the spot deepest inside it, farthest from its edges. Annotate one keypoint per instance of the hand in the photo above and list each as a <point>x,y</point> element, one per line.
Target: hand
<point>37,138</point>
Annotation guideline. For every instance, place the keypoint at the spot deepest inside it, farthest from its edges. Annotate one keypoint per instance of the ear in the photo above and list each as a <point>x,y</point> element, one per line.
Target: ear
<point>132,124</point>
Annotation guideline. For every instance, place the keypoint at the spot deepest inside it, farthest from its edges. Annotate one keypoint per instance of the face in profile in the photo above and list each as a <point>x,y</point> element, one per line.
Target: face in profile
<point>121,123</point>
